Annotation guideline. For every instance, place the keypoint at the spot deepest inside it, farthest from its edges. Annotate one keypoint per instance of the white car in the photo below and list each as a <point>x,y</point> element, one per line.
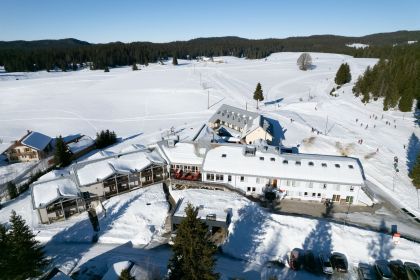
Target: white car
<point>325,264</point>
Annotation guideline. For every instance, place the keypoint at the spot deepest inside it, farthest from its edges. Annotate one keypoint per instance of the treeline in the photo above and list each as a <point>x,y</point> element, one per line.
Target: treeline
<point>70,54</point>
<point>396,77</point>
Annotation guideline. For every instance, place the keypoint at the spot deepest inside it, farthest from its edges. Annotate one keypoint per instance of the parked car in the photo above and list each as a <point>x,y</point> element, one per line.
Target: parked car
<point>413,270</point>
<point>382,269</point>
<point>295,260</point>
<point>365,272</point>
<point>339,262</point>
<point>398,270</point>
<point>309,262</point>
<point>325,264</point>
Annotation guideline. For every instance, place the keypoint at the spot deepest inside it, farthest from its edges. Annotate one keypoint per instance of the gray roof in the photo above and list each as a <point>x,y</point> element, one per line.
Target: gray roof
<point>36,140</point>
<point>233,115</point>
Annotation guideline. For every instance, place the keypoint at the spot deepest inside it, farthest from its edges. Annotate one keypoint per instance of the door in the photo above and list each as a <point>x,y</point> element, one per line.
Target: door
<point>274,183</point>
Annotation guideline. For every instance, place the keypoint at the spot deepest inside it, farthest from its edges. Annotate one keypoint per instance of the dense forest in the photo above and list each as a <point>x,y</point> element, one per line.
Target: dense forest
<point>67,54</point>
<point>396,77</point>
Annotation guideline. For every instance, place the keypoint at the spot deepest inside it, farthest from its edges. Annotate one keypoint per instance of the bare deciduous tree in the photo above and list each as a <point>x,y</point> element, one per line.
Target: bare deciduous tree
<point>304,61</point>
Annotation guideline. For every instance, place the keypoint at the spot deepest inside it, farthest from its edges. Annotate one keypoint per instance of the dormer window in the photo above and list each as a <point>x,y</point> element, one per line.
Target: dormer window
<point>337,165</point>
<point>261,158</point>
<point>298,163</point>
<point>324,164</point>
<point>311,163</point>
<point>223,155</point>
<point>272,159</point>
<point>351,166</point>
<point>285,161</point>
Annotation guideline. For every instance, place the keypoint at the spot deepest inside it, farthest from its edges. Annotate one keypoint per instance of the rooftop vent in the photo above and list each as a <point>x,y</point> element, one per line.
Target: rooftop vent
<point>223,155</point>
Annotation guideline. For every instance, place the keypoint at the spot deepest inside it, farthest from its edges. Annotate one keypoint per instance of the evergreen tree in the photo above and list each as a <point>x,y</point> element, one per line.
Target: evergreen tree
<point>343,75</point>
<point>415,173</point>
<point>62,156</point>
<point>174,61</point>
<point>135,68</point>
<point>105,138</point>
<point>106,69</point>
<point>12,190</point>
<point>193,253</point>
<point>258,94</point>
<point>26,257</point>
<point>4,251</point>
<point>125,275</point>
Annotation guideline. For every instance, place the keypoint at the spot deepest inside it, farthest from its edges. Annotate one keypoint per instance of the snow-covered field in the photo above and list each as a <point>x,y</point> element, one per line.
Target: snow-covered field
<point>140,105</point>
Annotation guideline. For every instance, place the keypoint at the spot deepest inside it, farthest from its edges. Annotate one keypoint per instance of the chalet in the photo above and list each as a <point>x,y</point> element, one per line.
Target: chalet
<point>242,124</point>
<point>298,176</point>
<point>57,199</point>
<point>33,146</point>
<point>118,173</point>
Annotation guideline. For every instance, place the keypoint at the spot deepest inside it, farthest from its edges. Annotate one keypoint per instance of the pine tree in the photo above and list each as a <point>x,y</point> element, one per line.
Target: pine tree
<point>135,68</point>
<point>4,251</point>
<point>125,275</point>
<point>62,156</point>
<point>12,190</point>
<point>193,253</point>
<point>26,257</point>
<point>415,173</point>
<point>343,74</point>
<point>258,94</point>
<point>175,61</point>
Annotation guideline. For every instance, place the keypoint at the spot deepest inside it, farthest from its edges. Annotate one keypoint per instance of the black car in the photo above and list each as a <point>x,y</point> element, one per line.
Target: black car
<point>382,269</point>
<point>309,262</point>
<point>413,270</point>
<point>365,272</point>
<point>398,270</point>
<point>339,262</point>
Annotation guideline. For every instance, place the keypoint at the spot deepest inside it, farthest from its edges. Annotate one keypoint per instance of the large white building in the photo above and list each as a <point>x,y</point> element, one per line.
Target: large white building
<point>252,169</point>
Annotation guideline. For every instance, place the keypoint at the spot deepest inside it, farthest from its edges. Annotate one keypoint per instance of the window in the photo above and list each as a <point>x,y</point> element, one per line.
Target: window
<point>319,194</point>
<point>242,179</point>
<point>324,164</point>
<point>351,166</point>
<point>229,178</point>
<point>272,159</point>
<point>253,189</point>
<point>219,177</point>
<point>285,162</point>
<point>311,163</point>
<point>288,183</point>
<point>337,165</point>
<point>298,163</point>
<point>349,199</point>
<point>210,177</point>
<point>261,158</point>
<point>313,194</point>
<point>257,180</point>
<point>324,187</point>
<point>248,189</point>
<point>223,155</point>
<point>351,188</point>
<point>305,194</point>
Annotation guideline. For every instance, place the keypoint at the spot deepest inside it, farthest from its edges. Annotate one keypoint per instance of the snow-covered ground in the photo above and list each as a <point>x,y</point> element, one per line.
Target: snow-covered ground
<point>140,105</point>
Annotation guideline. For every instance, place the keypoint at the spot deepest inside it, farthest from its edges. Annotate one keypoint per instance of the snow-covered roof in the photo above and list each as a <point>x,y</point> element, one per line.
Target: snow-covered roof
<point>318,168</point>
<point>233,115</point>
<point>36,140</point>
<point>71,138</point>
<point>94,172</point>
<point>100,169</point>
<point>83,143</point>
<point>206,206</point>
<point>46,192</point>
<point>184,153</point>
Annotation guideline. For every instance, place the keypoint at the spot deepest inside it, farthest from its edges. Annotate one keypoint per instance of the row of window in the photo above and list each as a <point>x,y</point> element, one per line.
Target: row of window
<point>311,163</point>
<point>185,167</point>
